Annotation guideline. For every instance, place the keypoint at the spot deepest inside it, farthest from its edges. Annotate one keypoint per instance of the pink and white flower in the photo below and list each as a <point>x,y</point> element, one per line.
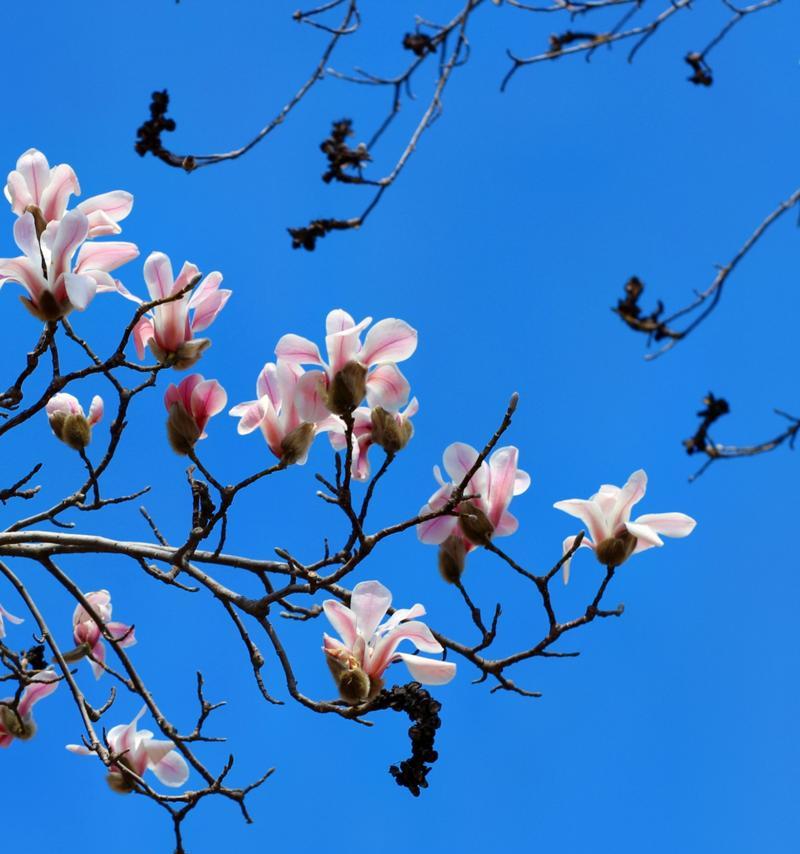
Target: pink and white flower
<point>389,341</point>
<point>19,723</point>
<point>169,329</point>
<point>68,422</point>
<point>5,615</point>
<point>279,411</point>
<point>614,538</point>
<point>53,283</point>
<point>482,518</point>
<point>86,631</point>
<point>191,404</point>
<point>67,404</point>
<point>138,751</point>
<point>368,646</point>
<point>34,184</point>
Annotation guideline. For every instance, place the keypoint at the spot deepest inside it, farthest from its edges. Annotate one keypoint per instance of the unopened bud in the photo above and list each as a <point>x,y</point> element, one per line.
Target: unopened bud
<point>16,725</point>
<point>119,782</point>
<point>390,431</point>
<point>614,551</point>
<point>72,428</point>
<point>295,444</point>
<point>182,430</point>
<point>452,559</point>
<point>475,524</point>
<point>347,389</point>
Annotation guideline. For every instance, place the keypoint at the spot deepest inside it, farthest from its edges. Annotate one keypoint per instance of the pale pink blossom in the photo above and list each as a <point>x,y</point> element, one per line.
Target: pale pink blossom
<point>5,615</point>
<point>364,434</point>
<point>495,483</point>
<point>138,751</point>
<point>68,404</point>
<point>34,184</point>
<point>191,404</point>
<point>68,421</point>
<point>55,281</point>
<point>368,646</point>
<point>19,723</point>
<point>169,329</point>
<point>276,413</point>
<point>389,341</point>
<point>86,631</point>
<point>612,535</point>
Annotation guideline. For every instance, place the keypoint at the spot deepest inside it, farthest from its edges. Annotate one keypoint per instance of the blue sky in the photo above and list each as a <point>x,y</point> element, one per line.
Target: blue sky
<point>505,243</point>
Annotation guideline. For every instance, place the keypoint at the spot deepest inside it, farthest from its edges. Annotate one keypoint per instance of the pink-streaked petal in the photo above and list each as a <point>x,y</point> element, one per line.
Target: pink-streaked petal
<point>206,289</point>
<point>343,340</point>
<point>522,481</point>
<point>10,617</point>
<point>65,402</point>
<point>569,542</point>
<point>124,635</point>
<point>250,415</point>
<point>507,525</point>
<point>114,205</point>
<point>122,738</point>
<point>43,685</point>
<point>458,460</point>
<point>310,396</point>
<point>668,524</point>
<point>342,619</point>
<point>79,749</point>
<point>428,671</point>
<point>413,630</point>
<point>589,513</point>
<point>98,659</point>
<point>630,494</point>
<point>71,232</point>
<point>142,333</point>
<point>35,171</point>
<point>80,289</point>
<point>189,272</point>
<point>389,340</point>
<point>387,387</point>
<point>25,237</point>
<point>503,472</point>
<point>96,410</point>
<point>17,193</point>
<point>401,614</point>
<point>105,256</point>
<point>22,271</point>
<point>172,770</point>
<point>435,531</point>
<point>338,320</point>
<point>644,533</point>
<point>369,602</point>
<point>61,185</point>
<point>298,350</point>
<point>158,275</point>
<point>206,313</point>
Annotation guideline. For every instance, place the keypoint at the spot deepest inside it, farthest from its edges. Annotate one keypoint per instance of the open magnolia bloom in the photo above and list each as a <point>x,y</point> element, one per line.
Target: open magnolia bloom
<point>137,751</point>
<point>277,412</point>
<point>169,329</point>
<point>18,722</point>
<point>85,630</point>
<point>614,537</point>
<point>5,615</point>
<point>191,405</point>
<point>54,285</point>
<point>34,185</point>
<point>378,426</point>
<point>367,646</point>
<point>68,422</point>
<point>354,370</point>
<point>478,520</point>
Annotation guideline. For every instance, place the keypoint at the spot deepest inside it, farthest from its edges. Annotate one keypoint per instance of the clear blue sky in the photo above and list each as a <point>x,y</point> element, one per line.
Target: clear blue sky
<point>505,243</point>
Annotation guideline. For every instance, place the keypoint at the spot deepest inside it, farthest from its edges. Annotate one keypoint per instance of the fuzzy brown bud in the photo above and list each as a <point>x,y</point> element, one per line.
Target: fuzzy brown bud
<point>120,782</point>
<point>295,444</point>
<point>14,724</point>
<point>475,524</point>
<point>389,431</point>
<point>614,551</point>
<point>353,684</point>
<point>452,559</point>
<point>347,389</point>
<point>186,356</point>
<point>182,430</point>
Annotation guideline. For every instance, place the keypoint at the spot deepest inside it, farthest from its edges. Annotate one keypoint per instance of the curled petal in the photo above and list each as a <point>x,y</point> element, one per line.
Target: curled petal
<point>96,409</point>
<point>389,340</point>
<point>387,387</point>
<point>43,685</point>
<point>668,524</point>
<point>435,531</point>
<point>369,602</point>
<point>342,619</point>
<point>105,256</point>
<point>80,289</point>
<point>158,275</point>
<point>250,415</point>
<point>310,396</point>
<point>428,671</point>
<point>298,350</point>
<point>569,542</point>
<point>166,763</point>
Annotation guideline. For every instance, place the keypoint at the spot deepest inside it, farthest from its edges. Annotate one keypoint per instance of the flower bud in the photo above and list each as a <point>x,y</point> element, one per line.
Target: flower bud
<point>452,559</point>
<point>119,782</point>
<point>296,443</point>
<point>475,524</point>
<point>353,684</point>
<point>347,389</point>
<point>15,725</point>
<point>390,431</point>
<point>182,431</point>
<point>614,551</point>
<point>72,428</point>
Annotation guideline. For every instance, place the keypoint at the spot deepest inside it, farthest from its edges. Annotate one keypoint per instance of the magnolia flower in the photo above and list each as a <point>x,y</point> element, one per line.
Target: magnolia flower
<point>378,426</point>
<point>18,722</point>
<point>479,519</point>
<point>86,631</point>
<point>353,370</point>
<point>45,269</point>
<point>168,330</point>
<point>11,619</point>
<point>68,421</point>
<point>368,646</point>
<point>136,750</point>
<point>33,184</point>
<point>613,537</point>
<point>191,404</point>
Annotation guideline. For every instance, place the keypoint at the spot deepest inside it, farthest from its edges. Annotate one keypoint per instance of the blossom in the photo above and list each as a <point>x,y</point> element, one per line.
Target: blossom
<point>54,285</point>
<point>33,184</point>
<point>354,369</point>
<point>378,426</point>
<point>614,537</point>
<point>11,619</point>
<point>68,421</point>
<point>137,751</point>
<point>367,646</point>
<point>479,519</point>
<point>18,722</point>
<point>168,330</point>
<point>191,404</point>
<point>86,631</point>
